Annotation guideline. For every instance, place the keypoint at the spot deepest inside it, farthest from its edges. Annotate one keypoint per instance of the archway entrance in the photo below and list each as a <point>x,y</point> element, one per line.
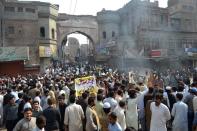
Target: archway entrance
<point>77,47</point>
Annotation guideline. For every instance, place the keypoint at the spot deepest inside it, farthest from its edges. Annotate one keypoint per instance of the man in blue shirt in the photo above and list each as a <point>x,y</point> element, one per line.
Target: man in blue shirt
<point>113,124</point>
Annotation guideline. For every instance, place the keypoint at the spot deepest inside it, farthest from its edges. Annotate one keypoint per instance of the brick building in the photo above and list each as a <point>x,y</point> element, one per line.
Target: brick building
<point>141,30</point>
<point>29,26</point>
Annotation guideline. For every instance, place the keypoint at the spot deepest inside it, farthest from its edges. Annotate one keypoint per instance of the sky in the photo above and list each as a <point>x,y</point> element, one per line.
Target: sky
<point>89,7</point>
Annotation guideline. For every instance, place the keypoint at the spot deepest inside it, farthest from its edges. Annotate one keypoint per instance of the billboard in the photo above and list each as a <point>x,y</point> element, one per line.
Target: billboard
<point>14,53</point>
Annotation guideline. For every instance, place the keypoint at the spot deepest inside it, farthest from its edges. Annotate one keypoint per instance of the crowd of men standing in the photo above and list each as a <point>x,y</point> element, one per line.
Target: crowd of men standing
<point>156,101</point>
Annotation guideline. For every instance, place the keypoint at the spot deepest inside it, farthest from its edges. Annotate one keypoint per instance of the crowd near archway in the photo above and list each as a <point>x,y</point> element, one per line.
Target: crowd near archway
<point>77,47</point>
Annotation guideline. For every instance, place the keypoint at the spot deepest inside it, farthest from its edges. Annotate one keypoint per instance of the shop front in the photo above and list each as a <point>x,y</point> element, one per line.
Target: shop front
<point>13,59</point>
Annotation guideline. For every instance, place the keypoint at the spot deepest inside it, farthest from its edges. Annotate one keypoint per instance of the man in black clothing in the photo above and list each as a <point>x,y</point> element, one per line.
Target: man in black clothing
<point>62,107</point>
<point>6,97</point>
<point>83,101</point>
<point>10,113</point>
<point>21,107</point>
<point>52,116</point>
<point>171,97</point>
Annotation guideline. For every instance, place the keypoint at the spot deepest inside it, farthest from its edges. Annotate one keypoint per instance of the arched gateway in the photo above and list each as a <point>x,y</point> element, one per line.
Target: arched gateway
<point>83,24</point>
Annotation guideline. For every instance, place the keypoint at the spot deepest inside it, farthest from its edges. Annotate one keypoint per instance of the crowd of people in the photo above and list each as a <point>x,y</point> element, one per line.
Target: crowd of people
<point>124,101</point>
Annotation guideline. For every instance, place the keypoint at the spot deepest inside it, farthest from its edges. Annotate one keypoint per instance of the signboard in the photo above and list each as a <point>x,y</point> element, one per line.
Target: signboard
<point>45,51</point>
<point>191,52</point>
<point>54,50</point>
<point>159,53</point>
<point>155,53</point>
<point>85,83</point>
<point>14,53</point>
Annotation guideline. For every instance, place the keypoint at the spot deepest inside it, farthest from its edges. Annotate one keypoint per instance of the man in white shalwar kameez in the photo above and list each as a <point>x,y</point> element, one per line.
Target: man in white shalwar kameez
<point>179,112</point>
<point>160,115</point>
<point>119,110</point>
<point>74,116</point>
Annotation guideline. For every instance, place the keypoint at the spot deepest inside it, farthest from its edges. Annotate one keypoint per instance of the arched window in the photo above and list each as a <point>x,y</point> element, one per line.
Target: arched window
<point>113,34</point>
<point>53,33</point>
<point>104,35</point>
<point>42,32</point>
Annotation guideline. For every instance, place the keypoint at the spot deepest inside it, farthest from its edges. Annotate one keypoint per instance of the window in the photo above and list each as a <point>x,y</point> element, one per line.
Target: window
<point>113,34</point>
<point>30,10</point>
<point>11,30</point>
<point>162,19</point>
<point>156,44</point>
<point>188,23</point>
<point>53,33</point>
<point>20,9</point>
<point>179,44</point>
<point>104,35</point>
<point>42,32</point>
<point>176,23</point>
<point>184,6</point>
<point>190,8</point>
<point>9,9</point>
<point>172,44</point>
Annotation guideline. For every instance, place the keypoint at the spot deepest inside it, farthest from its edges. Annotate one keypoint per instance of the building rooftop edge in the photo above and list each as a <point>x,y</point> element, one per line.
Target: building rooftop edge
<point>35,3</point>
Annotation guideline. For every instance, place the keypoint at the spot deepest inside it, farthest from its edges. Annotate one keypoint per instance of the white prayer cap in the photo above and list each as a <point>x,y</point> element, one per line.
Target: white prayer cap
<point>27,105</point>
<point>168,88</point>
<point>103,74</point>
<point>106,105</point>
<point>62,92</point>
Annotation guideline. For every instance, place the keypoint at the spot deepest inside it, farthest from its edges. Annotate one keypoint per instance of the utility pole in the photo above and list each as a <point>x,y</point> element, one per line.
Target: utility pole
<point>1,25</point>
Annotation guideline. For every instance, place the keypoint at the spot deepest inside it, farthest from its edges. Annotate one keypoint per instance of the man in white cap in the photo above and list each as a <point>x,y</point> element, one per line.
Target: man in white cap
<point>111,100</point>
<point>104,118</point>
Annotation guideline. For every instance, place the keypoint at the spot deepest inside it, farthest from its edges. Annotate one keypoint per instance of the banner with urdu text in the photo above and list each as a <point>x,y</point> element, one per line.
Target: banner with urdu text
<point>85,83</point>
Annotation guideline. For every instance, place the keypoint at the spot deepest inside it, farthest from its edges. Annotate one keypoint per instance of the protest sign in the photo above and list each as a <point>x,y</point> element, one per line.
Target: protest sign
<point>85,83</point>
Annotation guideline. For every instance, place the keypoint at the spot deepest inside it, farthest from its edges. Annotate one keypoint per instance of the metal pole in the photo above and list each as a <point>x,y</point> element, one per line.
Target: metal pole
<point>2,32</point>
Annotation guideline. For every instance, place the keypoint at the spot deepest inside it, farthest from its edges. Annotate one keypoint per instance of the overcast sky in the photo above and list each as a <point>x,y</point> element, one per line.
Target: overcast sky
<point>90,7</point>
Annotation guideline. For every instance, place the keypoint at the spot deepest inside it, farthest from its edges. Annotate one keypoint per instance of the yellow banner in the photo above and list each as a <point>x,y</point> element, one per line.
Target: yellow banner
<point>45,51</point>
<point>85,83</point>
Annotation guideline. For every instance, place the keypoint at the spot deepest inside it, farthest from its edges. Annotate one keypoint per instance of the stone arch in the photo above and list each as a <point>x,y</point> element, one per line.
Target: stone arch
<point>83,24</point>
<point>80,32</point>
<point>64,38</point>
